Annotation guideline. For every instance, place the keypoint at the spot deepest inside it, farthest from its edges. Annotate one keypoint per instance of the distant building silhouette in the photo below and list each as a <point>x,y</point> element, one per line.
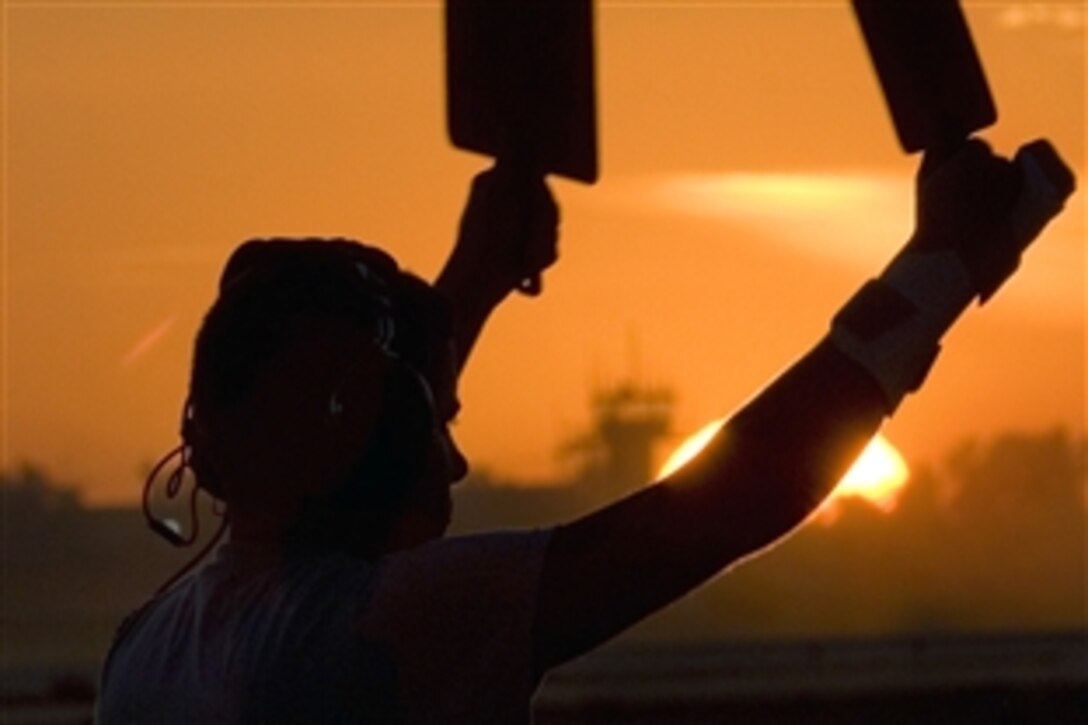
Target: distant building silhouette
<point>629,420</point>
<point>612,458</point>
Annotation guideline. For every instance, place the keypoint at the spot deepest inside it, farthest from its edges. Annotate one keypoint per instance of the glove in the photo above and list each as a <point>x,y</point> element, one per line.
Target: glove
<point>989,209</point>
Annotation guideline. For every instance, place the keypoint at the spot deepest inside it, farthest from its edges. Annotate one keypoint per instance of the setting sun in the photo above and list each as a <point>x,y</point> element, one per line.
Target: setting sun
<point>878,475</point>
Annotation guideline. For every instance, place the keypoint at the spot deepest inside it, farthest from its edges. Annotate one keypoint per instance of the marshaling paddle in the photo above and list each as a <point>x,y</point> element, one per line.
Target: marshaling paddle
<point>928,69</point>
<point>520,85</point>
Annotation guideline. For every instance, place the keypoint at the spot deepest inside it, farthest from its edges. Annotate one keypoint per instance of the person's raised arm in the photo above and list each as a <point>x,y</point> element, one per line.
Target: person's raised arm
<point>508,233</point>
<point>782,454</point>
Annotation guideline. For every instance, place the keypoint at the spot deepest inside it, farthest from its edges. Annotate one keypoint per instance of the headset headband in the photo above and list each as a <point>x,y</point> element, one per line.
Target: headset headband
<point>322,276</point>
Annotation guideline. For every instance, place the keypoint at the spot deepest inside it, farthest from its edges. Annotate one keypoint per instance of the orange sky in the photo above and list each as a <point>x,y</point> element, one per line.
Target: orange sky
<point>750,182</point>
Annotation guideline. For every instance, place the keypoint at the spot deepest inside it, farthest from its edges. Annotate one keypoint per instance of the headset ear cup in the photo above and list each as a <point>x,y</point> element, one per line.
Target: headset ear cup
<point>205,474</point>
<point>357,515</point>
<point>198,457</point>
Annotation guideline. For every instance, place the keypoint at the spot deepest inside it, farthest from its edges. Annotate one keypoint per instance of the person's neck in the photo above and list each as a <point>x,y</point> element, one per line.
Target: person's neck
<point>266,527</point>
<point>288,528</point>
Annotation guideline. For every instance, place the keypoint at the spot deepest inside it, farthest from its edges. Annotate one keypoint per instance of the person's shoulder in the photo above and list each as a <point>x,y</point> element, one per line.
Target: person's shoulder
<point>491,546</point>
<point>478,565</point>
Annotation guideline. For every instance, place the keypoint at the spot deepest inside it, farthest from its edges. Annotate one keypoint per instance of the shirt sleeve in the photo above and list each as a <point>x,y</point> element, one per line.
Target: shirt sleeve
<point>458,614</point>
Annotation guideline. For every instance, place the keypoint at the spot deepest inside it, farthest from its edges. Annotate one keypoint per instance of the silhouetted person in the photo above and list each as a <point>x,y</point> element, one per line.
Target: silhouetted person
<point>323,386</point>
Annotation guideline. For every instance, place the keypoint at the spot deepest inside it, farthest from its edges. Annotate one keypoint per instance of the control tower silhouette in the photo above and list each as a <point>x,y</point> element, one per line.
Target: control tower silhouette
<point>616,454</point>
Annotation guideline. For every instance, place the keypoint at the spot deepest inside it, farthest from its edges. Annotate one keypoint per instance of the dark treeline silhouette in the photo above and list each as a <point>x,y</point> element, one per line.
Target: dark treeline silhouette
<point>70,572</point>
<point>993,538</point>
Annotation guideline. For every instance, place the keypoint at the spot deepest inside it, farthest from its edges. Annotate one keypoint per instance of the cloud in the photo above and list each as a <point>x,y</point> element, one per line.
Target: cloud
<point>858,220</point>
<point>1063,16</point>
<point>147,341</point>
<point>855,219</point>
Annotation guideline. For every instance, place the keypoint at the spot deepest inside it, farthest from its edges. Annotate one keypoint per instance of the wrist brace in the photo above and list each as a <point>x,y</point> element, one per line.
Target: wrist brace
<point>893,325</point>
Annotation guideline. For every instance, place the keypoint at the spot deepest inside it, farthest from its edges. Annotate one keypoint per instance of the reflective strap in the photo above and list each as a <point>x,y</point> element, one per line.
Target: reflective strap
<point>893,325</point>
<point>938,284</point>
<point>884,333</point>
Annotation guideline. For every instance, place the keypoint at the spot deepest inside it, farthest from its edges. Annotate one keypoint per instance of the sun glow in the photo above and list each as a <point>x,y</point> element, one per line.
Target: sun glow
<point>877,476</point>
<point>690,448</point>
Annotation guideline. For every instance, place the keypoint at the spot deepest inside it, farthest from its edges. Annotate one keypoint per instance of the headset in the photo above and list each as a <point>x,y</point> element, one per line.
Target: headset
<point>269,279</point>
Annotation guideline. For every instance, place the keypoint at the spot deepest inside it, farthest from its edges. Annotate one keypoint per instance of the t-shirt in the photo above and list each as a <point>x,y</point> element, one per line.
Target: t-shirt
<point>437,634</point>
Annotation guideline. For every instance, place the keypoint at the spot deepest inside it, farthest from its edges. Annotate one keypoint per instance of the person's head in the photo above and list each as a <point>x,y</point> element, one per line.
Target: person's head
<point>322,386</point>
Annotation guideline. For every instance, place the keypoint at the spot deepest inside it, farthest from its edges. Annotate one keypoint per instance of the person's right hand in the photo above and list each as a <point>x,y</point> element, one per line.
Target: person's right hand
<point>987,208</point>
<point>508,233</point>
